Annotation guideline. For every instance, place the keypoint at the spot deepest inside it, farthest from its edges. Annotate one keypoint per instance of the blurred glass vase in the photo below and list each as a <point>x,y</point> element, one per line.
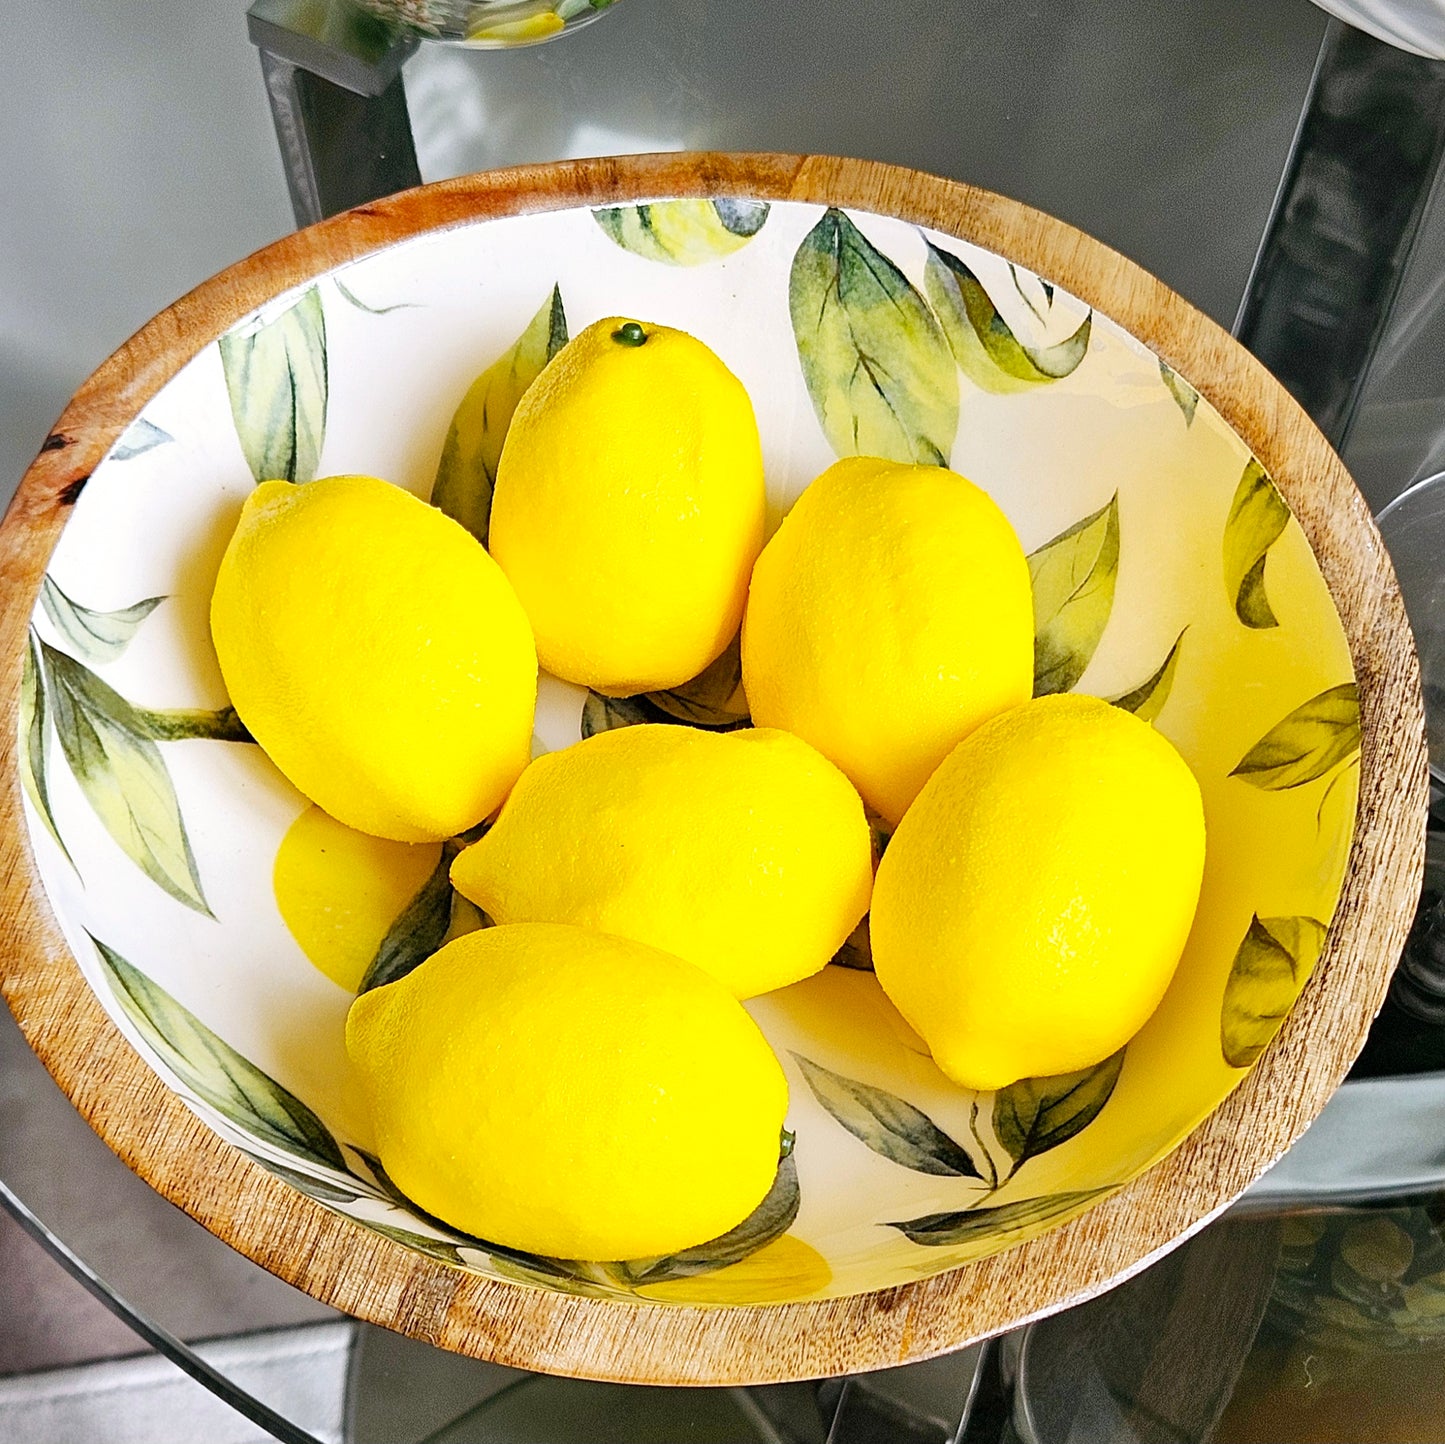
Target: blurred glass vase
<point>1414,25</point>
<point>1413,530</point>
<point>488,24</point>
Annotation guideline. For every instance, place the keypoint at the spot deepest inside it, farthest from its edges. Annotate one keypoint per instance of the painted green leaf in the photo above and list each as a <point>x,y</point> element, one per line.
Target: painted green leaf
<point>983,343</point>
<point>1036,1114</point>
<point>215,1072</point>
<point>1146,701</point>
<point>741,217</point>
<point>881,831</point>
<point>770,1220</point>
<point>98,637</point>
<point>538,1267</point>
<point>322,1190</point>
<point>1257,516</point>
<point>181,724</point>
<point>352,299</point>
<point>120,771</point>
<point>423,1243</point>
<point>418,932</point>
<point>464,917</point>
<point>1016,275</point>
<point>1272,965</point>
<point>874,358</point>
<point>385,1188</point>
<point>683,232</point>
<point>1186,398</point>
<point>34,743</point>
<point>973,1224</point>
<point>277,381</point>
<point>887,1124</point>
<point>139,437</point>
<point>524,1271</point>
<point>467,472</point>
<point>857,949</point>
<point>713,699</point>
<point>604,714</point>
<point>1073,578</point>
<point>591,1280</point>
<point>1301,748</point>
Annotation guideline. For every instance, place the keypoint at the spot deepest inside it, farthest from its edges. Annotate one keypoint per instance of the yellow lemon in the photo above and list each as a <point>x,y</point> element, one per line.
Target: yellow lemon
<point>377,654</point>
<point>747,853</point>
<point>569,1093</point>
<point>628,508</point>
<point>889,616</point>
<point>1031,908</point>
<point>782,1271</point>
<point>339,891</point>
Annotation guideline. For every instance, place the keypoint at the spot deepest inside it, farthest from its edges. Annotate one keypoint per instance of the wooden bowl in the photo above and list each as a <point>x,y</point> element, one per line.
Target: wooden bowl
<point>148,964</point>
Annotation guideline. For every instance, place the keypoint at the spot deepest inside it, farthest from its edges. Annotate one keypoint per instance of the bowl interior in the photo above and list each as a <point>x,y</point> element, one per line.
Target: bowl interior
<point>1170,577</point>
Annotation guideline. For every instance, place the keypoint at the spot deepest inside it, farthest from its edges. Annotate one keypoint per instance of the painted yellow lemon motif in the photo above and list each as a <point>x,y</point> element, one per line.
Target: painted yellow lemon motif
<point>683,232</point>
<point>339,891</point>
<point>780,1272</point>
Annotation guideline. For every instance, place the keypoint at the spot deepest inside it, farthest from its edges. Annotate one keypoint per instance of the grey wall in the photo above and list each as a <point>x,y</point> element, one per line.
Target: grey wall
<point>141,160</point>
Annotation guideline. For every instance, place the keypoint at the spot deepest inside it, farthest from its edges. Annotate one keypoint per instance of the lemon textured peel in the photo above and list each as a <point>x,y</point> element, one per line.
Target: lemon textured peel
<point>377,654</point>
<point>339,891</point>
<point>1032,906</point>
<point>747,853</point>
<point>890,615</point>
<point>567,1093</point>
<point>629,507</point>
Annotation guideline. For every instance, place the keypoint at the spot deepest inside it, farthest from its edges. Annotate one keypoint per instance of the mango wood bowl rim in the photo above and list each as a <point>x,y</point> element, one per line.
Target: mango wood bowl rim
<point>353,1269</point>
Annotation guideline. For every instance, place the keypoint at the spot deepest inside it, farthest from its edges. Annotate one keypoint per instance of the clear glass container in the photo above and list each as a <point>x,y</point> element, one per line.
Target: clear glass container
<point>488,24</point>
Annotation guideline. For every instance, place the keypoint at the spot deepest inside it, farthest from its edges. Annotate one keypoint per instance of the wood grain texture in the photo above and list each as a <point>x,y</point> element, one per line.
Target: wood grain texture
<point>358,1271</point>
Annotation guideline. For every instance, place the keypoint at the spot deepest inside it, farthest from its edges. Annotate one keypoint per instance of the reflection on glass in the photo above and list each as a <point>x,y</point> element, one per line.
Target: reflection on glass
<point>1413,529</point>
<point>489,24</point>
<point>1354,1339</point>
<point>402,1391</point>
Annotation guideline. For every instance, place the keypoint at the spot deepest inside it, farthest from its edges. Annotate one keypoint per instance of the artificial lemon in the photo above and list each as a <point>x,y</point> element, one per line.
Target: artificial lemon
<point>888,617</point>
<point>377,654</point>
<point>746,853</point>
<point>628,508</point>
<point>568,1093</point>
<point>339,891</point>
<point>1032,906</point>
